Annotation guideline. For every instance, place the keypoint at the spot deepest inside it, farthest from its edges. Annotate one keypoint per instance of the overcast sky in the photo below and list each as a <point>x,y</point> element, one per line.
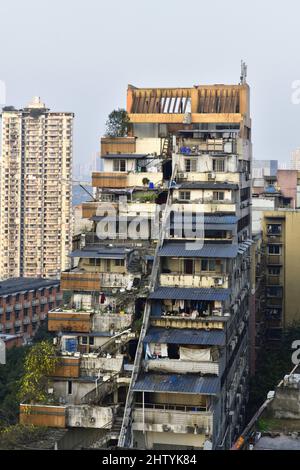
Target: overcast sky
<point>80,55</point>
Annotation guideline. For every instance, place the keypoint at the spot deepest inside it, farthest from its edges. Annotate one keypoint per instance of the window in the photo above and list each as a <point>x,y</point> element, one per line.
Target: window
<point>274,229</point>
<point>119,165</point>
<point>70,387</point>
<point>91,341</point>
<point>119,262</point>
<point>218,195</point>
<point>208,265</point>
<point>84,340</point>
<point>274,291</point>
<point>274,249</point>
<point>185,195</point>
<point>94,261</point>
<point>218,165</point>
<point>274,271</point>
<point>190,165</point>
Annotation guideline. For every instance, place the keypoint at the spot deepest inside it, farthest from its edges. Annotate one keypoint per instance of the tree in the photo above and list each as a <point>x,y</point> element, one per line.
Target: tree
<point>39,363</point>
<point>117,123</point>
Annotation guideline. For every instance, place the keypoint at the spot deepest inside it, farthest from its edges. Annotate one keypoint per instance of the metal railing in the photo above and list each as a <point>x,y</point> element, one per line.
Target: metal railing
<point>125,438</point>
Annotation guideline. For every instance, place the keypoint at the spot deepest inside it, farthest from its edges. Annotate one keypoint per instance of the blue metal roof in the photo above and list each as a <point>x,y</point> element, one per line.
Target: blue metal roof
<point>225,219</point>
<point>177,383</point>
<point>185,336</point>
<point>207,250</point>
<point>183,293</point>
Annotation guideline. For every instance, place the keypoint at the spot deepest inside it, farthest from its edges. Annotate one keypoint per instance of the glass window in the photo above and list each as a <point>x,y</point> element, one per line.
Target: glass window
<point>190,165</point>
<point>218,165</point>
<point>119,165</point>
<point>185,195</point>
<point>274,229</point>
<point>119,262</point>
<point>218,195</point>
<point>208,265</point>
<point>274,249</point>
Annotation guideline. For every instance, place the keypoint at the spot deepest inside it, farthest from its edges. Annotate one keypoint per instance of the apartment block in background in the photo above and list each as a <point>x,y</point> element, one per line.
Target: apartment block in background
<point>24,305</point>
<point>35,203</point>
<point>281,230</point>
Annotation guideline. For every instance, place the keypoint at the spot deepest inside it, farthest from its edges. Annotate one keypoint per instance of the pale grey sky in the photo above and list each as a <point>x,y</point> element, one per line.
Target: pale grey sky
<point>80,55</point>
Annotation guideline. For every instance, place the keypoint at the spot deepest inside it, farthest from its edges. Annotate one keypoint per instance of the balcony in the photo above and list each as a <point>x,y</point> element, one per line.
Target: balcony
<point>176,366</point>
<point>35,318</point>
<point>116,145</point>
<point>274,281</point>
<point>43,415</point>
<point>81,281</point>
<point>188,322</point>
<point>190,280</point>
<point>111,322</point>
<point>85,416</point>
<point>274,260</point>
<point>27,304</point>
<point>35,302</point>
<point>67,367</point>
<point>159,418</point>
<point>26,320</point>
<point>109,179</point>
<point>18,323</point>
<point>18,306</point>
<point>69,321</point>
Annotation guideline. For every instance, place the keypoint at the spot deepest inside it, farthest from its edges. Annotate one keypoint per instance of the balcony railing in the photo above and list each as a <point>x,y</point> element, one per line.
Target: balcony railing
<point>274,259</point>
<point>81,281</point>
<point>43,415</point>
<point>177,366</point>
<point>69,321</point>
<point>190,280</point>
<point>155,418</point>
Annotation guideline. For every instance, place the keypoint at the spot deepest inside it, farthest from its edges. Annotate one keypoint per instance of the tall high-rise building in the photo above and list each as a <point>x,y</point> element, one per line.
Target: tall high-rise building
<point>189,383</point>
<point>35,207</point>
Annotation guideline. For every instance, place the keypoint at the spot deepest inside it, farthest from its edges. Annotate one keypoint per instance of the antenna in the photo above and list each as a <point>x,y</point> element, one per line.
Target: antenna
<point>243,78</point>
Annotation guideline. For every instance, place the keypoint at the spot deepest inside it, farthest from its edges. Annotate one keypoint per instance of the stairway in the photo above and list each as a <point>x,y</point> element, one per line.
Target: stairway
<point>125,439</point>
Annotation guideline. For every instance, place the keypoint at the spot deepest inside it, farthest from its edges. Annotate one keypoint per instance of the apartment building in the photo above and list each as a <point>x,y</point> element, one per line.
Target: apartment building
<point>184,384</point>
<point>281,266</point>
<point>35,205</point>
<point>24,305</point>
<point>189,382</point>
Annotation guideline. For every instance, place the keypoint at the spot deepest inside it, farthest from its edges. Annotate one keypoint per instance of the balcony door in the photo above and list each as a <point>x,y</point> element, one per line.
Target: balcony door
<point>188,266</point>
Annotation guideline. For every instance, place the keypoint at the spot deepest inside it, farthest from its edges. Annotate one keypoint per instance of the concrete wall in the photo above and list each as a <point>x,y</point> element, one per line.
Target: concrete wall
<point>86,416</point>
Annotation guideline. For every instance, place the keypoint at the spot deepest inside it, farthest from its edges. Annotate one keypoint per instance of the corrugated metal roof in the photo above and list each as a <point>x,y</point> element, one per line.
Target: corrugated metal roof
<point>207,251</point>
<point>103,252</point>
<point>20,284</point>
<point>207,185</point>
<point>182,293</point>
<point>125,155</point>
<point>176,383</point>
<point>185,336</point>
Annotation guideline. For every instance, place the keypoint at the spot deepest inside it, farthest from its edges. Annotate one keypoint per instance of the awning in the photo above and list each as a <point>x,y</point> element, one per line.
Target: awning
<point>177,383</point>
<point>182,293</point>
<point>185,336</point>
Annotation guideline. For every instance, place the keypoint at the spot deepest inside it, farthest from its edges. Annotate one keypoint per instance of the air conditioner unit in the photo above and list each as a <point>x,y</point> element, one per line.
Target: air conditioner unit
<point>182,176</point>
<point>211,176</point>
